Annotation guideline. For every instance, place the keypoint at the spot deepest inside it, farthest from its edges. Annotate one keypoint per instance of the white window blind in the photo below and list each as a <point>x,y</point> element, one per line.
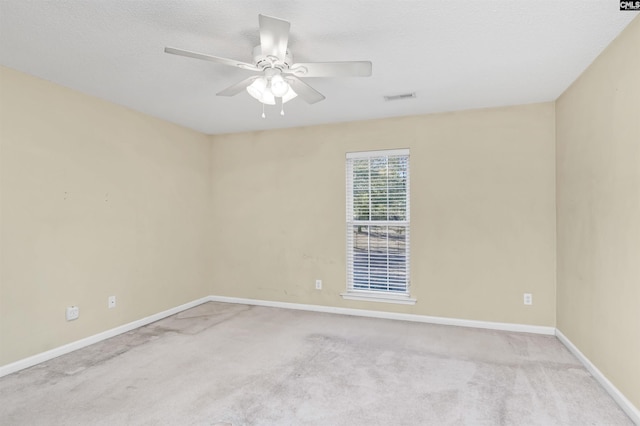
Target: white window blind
<point>378,223</point>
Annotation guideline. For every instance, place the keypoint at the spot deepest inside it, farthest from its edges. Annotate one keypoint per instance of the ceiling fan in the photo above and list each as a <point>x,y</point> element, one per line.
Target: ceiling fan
<point>278,74</point>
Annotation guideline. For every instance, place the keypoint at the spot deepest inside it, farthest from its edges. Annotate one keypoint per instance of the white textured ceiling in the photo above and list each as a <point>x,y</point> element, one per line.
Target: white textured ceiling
<point>454,54</point>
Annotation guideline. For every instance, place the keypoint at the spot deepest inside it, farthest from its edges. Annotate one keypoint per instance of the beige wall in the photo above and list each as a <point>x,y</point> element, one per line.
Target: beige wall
<point>598,196</point>
<point>482,208</point>
<point>97,200</point>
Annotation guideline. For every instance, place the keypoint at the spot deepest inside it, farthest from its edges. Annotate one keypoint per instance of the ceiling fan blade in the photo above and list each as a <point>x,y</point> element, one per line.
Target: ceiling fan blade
<point>306,92</point>
<point>331,69</point>
<point>274,36</point>
<point>238,87</point>
<point>224,61</point>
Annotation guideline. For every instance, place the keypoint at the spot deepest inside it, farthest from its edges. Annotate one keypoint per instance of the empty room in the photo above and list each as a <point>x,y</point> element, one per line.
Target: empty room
<point>386,212</point>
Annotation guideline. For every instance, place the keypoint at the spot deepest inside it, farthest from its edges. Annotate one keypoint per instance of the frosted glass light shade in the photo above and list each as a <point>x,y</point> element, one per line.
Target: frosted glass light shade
<point>289,95</point>
<point>267,98</point>
<point>278,86</point>
<point>257,88</point>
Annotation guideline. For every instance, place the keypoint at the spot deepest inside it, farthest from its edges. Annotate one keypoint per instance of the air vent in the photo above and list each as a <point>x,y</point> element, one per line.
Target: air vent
<point>400,97</point>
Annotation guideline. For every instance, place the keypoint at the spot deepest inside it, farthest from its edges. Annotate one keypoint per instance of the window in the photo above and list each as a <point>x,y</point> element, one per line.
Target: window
<point>378,226</point>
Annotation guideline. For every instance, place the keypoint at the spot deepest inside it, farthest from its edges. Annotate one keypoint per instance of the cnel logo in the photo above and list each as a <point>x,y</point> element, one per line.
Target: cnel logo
<point>629,5</point>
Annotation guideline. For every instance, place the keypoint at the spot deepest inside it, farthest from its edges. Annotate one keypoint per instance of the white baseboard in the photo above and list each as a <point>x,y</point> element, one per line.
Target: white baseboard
<point>78,344</point>
<point>626,405</point>
<point>523,328</point>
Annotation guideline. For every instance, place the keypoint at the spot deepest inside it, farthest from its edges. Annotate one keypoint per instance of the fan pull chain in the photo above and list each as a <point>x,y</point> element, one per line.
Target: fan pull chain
<point>281,107</point>
<point>263,115</point>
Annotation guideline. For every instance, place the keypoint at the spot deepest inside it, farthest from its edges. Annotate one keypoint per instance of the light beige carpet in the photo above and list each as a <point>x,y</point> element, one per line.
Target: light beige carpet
<point>240,365</point>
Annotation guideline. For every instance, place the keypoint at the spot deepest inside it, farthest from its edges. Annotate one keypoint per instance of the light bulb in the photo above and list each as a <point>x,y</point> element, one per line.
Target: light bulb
<point>257,88</point>
<point>278,86</point>
<point>289,95</point>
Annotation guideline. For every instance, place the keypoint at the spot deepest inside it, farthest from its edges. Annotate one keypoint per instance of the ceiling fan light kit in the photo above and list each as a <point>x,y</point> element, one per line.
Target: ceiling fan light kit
<point>279,75</point>
<point>270,86</point>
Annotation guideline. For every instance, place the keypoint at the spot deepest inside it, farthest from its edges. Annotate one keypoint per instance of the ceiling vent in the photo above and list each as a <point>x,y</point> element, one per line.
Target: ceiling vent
<point>400,97</point>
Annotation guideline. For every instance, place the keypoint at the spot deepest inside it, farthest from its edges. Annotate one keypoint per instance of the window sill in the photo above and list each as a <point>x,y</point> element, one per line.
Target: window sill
<point>377,297</point>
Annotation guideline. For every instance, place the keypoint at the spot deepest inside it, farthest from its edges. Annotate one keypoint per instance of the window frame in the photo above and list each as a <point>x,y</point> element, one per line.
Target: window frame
<point>388,296</point>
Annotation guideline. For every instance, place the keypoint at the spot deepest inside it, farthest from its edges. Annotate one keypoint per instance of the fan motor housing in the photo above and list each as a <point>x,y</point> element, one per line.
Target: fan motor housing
<point>265,61</point>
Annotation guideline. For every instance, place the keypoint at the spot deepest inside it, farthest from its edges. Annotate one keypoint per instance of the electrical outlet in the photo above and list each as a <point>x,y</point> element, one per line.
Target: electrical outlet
<point>73,312</point>
<point>111,302</point>
<point>528,299</point>
<point>318,284</point>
